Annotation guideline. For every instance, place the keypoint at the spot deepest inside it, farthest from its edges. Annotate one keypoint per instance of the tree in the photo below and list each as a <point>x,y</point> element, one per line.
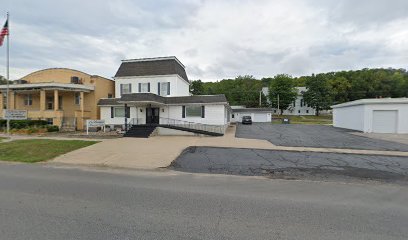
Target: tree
<point>3,80</point>
<point>196,87</point>
<point>319,93</point>
<point>282,87</point>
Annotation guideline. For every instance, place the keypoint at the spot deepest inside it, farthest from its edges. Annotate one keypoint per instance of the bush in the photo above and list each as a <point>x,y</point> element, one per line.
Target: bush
<point>19,124</point>
<point>52,128</point>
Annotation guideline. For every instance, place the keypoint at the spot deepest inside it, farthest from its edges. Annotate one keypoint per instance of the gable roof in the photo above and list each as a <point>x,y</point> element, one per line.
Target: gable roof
<point>150,97</point>
<point>152,67</point>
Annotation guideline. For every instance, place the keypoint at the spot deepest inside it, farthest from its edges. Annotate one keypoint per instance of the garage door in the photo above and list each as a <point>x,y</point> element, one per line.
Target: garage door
<point>385,121</point>
<point>260,117</point>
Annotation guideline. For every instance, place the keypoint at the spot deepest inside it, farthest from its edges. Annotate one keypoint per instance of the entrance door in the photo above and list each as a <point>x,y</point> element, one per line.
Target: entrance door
<point>152,115</point>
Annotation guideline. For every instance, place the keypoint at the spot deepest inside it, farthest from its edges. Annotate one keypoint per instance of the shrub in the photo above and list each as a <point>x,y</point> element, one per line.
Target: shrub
<point>52,128</point>
<point>19,124</point>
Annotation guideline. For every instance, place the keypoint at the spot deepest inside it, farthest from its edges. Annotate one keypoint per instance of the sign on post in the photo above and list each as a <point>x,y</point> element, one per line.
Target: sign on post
<point>94,123</point>
<point>15,114</point>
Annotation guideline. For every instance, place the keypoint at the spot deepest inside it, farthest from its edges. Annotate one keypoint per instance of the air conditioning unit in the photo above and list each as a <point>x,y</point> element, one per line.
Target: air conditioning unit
<point>75,80</point>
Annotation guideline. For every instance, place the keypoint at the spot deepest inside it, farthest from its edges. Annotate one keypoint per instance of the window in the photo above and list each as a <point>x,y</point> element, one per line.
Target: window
<point>299,111</point>
<point>302,102</point>
<point>77,98</point>
<point>193,111</point>
<point>125,88</point>
<point>50,121</point>
<point>233,115</point>
<point>307,111</point>
<point>164,88</point>
<point>28,100</point>
<point>50,103</point>
<point>60,102</point>
<point>119,112</point>
<point>144,87</point>
<point>110,95</point>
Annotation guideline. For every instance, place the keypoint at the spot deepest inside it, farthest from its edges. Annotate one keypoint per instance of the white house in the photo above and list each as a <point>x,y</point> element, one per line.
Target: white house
<point>155,92</point>
<point>385,115</point>
<point>257,114</point>
<point>298,107</point>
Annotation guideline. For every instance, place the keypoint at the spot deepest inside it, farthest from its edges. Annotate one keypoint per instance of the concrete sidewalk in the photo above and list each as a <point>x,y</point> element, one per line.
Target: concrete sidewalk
<point>160,151</point>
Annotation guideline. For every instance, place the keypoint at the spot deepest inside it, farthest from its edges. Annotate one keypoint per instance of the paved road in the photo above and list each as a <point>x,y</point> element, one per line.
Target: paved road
<point>299,165</point>
<point>297,135</point>
<point>38,202</point>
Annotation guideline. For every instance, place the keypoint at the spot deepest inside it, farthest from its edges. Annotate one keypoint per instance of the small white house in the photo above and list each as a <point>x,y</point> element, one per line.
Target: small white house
<point>155,92</point>
<point>257,114</point>
<point>385,115</point>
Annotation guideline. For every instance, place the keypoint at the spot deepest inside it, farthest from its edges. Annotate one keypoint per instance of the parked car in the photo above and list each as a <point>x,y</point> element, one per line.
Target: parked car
<point>246,120</point>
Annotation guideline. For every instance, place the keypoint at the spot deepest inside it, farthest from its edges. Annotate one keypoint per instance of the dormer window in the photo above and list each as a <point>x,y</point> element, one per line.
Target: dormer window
<point>164,88</point>
<point>125,88</point>
<point>144,87</point>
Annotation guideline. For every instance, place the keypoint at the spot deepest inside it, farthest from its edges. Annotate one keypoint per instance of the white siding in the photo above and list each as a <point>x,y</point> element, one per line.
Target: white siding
<point>350,117</point>
<point>214,115</point>
<point>178,86</point>
<point>402,122</point>
<point>360,117</point>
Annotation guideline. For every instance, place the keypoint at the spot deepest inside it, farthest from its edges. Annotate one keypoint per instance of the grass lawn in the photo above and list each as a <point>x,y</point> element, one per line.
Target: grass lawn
<point>323,119</point>
<point>37,150</point>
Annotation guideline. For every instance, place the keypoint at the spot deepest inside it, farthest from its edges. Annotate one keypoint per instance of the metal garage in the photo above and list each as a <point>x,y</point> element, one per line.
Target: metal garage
<point>384,115</point>
<point>257,114</point>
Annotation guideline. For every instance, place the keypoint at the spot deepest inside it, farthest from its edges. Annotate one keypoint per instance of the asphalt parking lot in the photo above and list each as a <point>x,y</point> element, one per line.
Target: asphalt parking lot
<point>293,165</point>
<point>297,135</point>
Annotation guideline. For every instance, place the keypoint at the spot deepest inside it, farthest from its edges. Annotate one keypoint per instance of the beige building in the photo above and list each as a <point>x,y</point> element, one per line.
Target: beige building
<point>64,97</point>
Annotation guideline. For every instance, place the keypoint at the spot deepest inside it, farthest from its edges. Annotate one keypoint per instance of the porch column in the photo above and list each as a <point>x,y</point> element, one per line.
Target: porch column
<point>126,114</point>
<point>81,97</point>
<point>42,100</point>
<point>57,116</point>
<point>56,99</point>
<point>12,100</point>
<point>1,103</point>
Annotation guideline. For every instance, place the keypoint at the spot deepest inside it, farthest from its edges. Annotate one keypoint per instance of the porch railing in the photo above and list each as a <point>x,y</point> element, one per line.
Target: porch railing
<point>193,125</point>
<point>180,123</point>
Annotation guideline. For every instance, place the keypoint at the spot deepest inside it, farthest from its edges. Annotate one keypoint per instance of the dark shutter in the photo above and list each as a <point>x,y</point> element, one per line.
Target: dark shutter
<point>140,87</point>
<point>121,89</point>
<point>183,112</point>
<point>148,87</point>
<point>127,112</point>
<point>202,111</point>
<point>112,113</point>
<point>168,88</point>
<point>158,88</point>
<point>130,88</point>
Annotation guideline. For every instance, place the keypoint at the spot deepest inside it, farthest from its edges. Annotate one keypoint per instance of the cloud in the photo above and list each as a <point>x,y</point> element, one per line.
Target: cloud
<point>214,39</point>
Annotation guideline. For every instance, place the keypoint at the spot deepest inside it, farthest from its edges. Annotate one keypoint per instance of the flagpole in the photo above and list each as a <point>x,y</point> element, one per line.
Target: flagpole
<point>8,72</point>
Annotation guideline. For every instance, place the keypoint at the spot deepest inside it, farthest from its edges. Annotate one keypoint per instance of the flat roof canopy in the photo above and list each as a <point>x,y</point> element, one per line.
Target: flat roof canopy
<point>48,86</point>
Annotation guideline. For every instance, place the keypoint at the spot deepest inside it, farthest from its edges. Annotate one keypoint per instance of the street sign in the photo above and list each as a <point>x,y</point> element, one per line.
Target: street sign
<point>94,123</point>
<point>15,114</point>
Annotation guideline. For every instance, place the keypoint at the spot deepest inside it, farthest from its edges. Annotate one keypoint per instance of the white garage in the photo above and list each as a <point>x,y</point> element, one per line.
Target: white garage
<point>384,115</point>
<point>257,114</point>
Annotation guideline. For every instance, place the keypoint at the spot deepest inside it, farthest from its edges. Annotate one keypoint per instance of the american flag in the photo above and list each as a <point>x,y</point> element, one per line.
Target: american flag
<point>4,32</point>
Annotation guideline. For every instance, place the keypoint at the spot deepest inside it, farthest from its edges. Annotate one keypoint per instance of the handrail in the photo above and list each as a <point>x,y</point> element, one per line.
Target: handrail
<point>181,123</point>
<point>193,125</point>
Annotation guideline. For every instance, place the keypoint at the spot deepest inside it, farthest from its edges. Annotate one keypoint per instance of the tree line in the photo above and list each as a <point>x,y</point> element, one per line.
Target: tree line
<point>323,89</point>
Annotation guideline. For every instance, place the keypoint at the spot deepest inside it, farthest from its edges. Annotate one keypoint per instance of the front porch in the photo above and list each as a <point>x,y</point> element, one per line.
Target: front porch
<point>59,106</point>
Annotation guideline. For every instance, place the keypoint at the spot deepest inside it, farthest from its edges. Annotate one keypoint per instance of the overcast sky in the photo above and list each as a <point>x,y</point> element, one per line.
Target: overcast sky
<point>214,39</point>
